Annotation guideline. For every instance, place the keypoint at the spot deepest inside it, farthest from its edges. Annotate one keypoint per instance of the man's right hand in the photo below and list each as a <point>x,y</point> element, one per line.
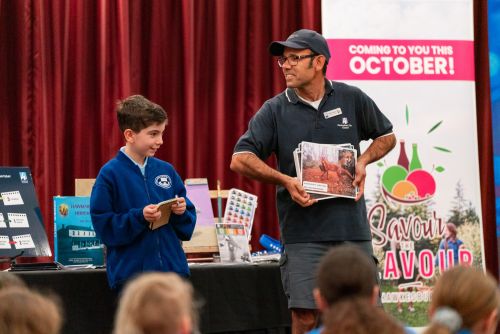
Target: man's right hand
<point>297,192</point>
<point>249,165</point>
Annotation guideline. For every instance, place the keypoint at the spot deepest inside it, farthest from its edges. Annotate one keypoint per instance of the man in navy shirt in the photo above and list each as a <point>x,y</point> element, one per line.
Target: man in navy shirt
<point>318,110</point>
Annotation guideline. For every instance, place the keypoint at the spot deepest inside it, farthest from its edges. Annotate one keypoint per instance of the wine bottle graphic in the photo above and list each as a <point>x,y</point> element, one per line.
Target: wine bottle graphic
<point>415,161</point>
<point>403,158</point>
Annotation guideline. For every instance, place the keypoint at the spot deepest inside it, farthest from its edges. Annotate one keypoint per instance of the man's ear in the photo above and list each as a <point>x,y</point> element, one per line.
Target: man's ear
<point>320,301</point>
<point>320,62</point>
<point>129,135</point>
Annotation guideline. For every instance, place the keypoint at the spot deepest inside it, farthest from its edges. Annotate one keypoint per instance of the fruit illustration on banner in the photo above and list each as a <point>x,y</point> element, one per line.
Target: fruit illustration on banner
<point>408,185</point>
<point>409,182</point>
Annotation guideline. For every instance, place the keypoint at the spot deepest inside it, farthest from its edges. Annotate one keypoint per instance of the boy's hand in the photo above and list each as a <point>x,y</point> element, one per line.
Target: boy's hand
<point>151,213</point>
<point>180,207</point>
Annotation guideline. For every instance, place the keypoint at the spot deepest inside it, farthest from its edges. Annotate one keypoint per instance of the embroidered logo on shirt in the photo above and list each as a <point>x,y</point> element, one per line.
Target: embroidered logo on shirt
<point>163,181</point>
<point>345,125</point>
<point>332,113</point>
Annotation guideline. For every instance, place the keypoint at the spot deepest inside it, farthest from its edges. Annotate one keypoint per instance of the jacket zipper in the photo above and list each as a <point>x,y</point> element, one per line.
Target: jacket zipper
<point>155,234</point>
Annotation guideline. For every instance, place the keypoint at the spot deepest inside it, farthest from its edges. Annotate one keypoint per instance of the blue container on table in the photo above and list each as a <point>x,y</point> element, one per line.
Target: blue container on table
<point>270,244</point>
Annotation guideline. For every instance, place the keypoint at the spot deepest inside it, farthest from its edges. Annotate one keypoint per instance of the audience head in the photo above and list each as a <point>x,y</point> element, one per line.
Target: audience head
<point>345,272</point>
<point>156,303</point>
<point>464,298</point>
<point>358,316</point>
<point>23,311</point>
<point>8,280</point>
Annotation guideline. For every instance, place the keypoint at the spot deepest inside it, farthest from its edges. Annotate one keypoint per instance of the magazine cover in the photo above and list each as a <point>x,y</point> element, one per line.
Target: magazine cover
<point>328,169</point>
<point>233,243</point>
<point>75,241</point>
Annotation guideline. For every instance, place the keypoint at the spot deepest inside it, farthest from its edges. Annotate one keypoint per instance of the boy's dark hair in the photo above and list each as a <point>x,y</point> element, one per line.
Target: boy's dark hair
<point>346,272</point>
<point>136,113</point>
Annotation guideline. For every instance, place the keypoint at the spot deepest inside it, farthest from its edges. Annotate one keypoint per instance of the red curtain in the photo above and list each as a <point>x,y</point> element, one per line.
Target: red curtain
<point>64,64</point>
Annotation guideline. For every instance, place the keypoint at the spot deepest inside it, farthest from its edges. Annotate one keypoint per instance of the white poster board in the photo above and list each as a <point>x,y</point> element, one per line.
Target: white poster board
<point>415,60</point>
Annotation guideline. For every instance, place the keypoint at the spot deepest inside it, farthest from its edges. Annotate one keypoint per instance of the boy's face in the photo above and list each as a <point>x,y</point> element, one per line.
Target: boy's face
<point>146,142</point>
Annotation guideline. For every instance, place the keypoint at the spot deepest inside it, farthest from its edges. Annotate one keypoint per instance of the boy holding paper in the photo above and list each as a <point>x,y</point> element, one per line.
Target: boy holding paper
<point>121,204</point>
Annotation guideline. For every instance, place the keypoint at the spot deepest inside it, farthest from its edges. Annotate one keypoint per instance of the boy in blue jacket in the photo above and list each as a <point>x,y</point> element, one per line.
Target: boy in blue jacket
<point>122,204</point>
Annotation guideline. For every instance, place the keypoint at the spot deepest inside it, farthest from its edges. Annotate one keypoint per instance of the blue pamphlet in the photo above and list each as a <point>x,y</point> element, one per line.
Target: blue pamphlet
<point>75,241</point>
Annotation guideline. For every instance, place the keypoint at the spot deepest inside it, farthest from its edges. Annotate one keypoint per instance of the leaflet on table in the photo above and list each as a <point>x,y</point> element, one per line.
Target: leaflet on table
<point>326,170</point>
<point>75,241</point>
<point>233,243</point>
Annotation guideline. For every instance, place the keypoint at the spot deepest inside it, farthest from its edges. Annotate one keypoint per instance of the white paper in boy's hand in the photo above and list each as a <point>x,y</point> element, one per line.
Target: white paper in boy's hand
<point>166,209</point>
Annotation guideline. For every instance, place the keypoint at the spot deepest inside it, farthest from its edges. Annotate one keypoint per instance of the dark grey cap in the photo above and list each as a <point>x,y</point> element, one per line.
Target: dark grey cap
<point>302,39</point>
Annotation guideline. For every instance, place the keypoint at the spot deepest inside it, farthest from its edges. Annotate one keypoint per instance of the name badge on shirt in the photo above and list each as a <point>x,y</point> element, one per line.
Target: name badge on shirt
<point>332,113</point>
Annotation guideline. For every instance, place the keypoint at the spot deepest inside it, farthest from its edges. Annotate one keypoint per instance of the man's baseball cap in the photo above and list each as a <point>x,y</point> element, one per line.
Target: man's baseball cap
<point>302,39</point>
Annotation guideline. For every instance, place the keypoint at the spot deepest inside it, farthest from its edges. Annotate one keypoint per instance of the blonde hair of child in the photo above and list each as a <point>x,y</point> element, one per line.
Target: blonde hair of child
<point>155,303</point>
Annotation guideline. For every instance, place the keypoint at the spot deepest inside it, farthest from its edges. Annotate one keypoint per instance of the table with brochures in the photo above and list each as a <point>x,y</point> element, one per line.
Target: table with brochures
<point>244,298</point>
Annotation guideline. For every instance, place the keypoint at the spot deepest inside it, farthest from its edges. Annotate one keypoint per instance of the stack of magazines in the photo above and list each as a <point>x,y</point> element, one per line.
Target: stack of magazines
<point>326,170</point>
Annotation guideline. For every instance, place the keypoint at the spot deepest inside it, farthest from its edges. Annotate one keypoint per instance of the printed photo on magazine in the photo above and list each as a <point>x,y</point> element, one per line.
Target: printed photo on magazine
<point>328,169</point>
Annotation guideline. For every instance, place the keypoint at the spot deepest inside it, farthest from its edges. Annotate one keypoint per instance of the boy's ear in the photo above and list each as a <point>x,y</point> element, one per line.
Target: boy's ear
<point>129,135</point>
<point>320,301</point>
<point>186,325</point>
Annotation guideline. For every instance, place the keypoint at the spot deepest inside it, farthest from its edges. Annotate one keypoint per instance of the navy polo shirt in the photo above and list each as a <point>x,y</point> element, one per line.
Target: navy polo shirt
<point>282,123</point>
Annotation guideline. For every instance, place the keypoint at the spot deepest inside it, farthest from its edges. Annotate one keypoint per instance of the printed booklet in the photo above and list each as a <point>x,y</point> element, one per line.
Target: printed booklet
<point>166,209</point>
<point>75,241</point>
<point>326,170</point>
<point>233,243</point>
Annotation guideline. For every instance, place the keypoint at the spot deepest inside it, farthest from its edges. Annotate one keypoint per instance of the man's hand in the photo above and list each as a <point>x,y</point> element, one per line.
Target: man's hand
<point>151,213</point>
<point>359,181</point>
<point>298,193</point>
<point>249,165</point>
<point>180,207</point>
<point>377,149</point>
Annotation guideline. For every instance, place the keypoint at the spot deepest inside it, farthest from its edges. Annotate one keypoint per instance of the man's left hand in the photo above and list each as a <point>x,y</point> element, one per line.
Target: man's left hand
<point>359,180</point>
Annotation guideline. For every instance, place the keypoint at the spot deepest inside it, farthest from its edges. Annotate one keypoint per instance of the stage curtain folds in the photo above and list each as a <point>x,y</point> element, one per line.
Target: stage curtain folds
<point>64,65</point>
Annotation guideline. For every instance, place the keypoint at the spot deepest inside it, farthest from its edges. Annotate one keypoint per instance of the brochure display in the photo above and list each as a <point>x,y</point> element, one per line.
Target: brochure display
<point>21,227</point>
<point>326,170</point>
<point>234,233</point>
<point>75,241</point>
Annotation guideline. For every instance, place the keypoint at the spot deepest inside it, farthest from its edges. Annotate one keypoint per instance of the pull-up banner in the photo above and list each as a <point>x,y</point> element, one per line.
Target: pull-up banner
<point>423,198</point>
<point>365,59</point>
